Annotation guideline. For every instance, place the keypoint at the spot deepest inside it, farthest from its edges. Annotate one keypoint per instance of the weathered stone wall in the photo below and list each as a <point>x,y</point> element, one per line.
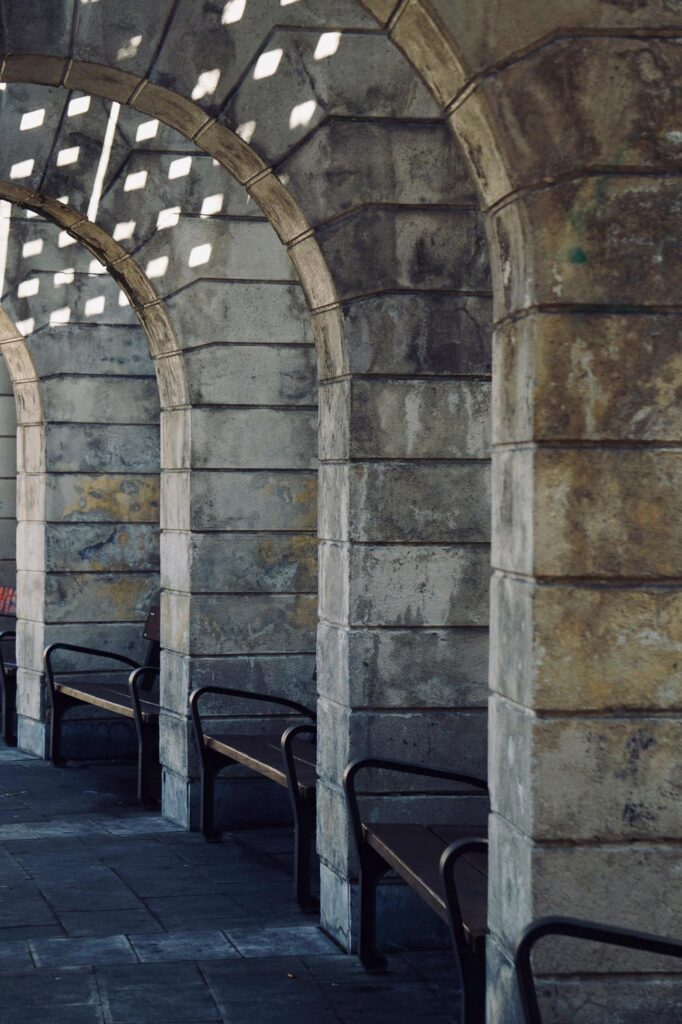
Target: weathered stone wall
<point>567,118</point>
<point>8,473</point>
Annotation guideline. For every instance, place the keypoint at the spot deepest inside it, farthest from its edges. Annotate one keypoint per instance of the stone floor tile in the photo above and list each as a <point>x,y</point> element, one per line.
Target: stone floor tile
<point>181,912</point>
<point>303,940</point>
<point>82,923</point>
<point>88,896</point>
<point>140,824</point>
<point>14,955</point>
<point>113,949</point>
<point>279,981</point>
<point>193,945</point>
<point>50,997</point>
<point>155,994</point>
<point>31,931</point>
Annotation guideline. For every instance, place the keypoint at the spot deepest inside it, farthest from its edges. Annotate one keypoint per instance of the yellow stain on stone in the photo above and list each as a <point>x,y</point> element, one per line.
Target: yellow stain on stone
<point>120,498</point>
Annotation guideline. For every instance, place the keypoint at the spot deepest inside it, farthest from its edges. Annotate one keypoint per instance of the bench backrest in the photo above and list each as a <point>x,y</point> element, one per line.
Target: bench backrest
<point>152,633</point>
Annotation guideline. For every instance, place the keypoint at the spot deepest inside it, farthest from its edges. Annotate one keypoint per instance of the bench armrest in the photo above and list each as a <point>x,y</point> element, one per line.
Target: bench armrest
<point>226,691</point>
<point>448,862</point>
<point>407,768</point>
<point>574,928</point>
<point>287,744</point>
<point>77,649</point>
<point>136,682</point>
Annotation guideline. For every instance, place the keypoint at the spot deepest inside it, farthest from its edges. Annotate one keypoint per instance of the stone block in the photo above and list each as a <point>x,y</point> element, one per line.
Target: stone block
<point>251,623</point>
<point>271,375</point>
<point>241,562</point>
<point>111,349</point>
<point>180,798</point>
<point>82,497</point>
<point>384,249</point>
<point>450,739</point>
<point>592,512</point>
<point>93,448</point>
<point>233,249</point>
<point>420,419</point>
<point>403,668</point>
<point>575,259</point>
<point>242,438</point>
<point>253,312</point>
<point>377,162</point>
<point>579,647</point>
<point>355,78</point>
<point>588,377</point>
<point>630,885</point>
<point>94,597</point>
<point>407,501</point>
<point>278,500</point>
<point>101,400</point>
<point>414,585</point>
<point>585,778</point>
<point>111,547</point>
<point>32,736</point>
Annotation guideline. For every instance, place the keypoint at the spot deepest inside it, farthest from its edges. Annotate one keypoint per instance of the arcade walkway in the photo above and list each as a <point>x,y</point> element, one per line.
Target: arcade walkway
<point>111,915</point>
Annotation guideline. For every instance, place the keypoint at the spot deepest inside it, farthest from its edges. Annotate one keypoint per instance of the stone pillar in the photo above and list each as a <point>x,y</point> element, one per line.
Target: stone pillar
<point>239,541</point>
<point>8,473</point>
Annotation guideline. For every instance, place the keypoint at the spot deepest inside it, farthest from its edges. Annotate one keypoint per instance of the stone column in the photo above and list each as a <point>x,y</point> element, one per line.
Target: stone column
<point>8,473</point>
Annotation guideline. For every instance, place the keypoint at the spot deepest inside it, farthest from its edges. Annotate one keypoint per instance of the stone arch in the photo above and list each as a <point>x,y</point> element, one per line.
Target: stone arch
<point>577,175</point>
<point>453,619</point>
<point>93,514</point>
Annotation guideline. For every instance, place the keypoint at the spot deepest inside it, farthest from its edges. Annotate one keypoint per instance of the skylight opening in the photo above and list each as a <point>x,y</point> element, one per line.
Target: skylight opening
<point>267,64</point>
<point>79,106</point>
<point>68,156</point>
<point>65,239</point>
<point>207,83</point>
<point>168,218</point>
<point>327,45</point>
<point>23,169</point>
<point>233,11</point>
<point>147,130</point>
<point>32,119</point>
<point>60,316</point>
<point>157,267</point>
<point>180,168</point>
<point>32,248</point>
<point>135,181</point>
<point>200,255</point>
<point>129,50</point>
<point>28,288</point>
<point>212,204</point>
<point>96,267</point>
<point>66,276</point>
<point>124,229</point>
<point>245,131</point>
<point>26,326</point>
<point>302,114</point>
<point>95,306</point>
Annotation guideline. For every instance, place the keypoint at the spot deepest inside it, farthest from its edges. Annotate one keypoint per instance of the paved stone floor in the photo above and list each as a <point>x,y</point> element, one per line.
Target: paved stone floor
<point>111,914</point>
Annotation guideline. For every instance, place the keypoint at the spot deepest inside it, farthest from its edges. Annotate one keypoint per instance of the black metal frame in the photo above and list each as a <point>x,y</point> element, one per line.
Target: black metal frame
<point>303,808</point>
<point>373,867</point>
<point>574,928</point>
<point>8,678</point>
<point>140,679</point>
<point>470,962</point>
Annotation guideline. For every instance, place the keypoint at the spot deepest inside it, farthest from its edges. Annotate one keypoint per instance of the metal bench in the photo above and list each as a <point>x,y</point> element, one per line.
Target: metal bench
<point>287,759</point>
<point>576,929</point>
<point>133,699</point>
<point>447,866</point>
<point>8,668</point>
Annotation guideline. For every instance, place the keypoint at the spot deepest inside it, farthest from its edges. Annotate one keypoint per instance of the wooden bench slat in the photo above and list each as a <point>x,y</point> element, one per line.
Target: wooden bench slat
<point>110,696</point>
<point>414,852</point>
<point>263,755</point>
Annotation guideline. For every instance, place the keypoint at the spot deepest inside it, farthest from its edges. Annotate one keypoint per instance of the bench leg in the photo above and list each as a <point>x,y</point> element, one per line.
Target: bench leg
<point>472,981</point>
<point>304,855</point>
<point>9,709</point>
<point>211,764</point>
<point>372,870</point>
<point>59,706</point>
<point>148,773</point>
